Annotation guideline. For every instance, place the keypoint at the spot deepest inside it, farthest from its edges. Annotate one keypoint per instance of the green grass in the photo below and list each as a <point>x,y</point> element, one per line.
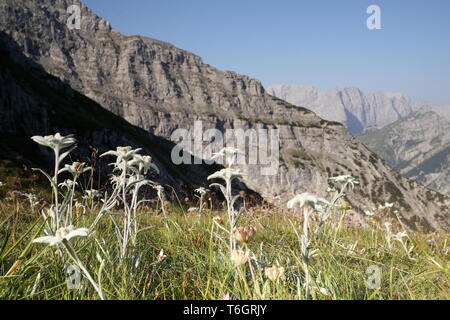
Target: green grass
<point>197,264</point>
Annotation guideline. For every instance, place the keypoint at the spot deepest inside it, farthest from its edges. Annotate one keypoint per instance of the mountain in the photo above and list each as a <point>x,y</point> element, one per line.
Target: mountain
<point>158,88</point>
<point>418,146</point>
<point>33,102</point>
<point>358,111</point>
<point>443,111</point>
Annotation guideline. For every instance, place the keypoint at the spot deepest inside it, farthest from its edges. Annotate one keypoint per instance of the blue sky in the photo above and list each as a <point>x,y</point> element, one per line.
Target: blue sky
<point>324,43</point>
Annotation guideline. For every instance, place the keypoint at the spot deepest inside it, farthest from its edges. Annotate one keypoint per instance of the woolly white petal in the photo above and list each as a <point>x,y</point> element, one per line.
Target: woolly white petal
<point>45,239</point>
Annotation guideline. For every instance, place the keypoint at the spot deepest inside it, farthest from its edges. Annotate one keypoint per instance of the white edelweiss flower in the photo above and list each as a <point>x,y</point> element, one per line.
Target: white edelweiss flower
<point>386,205</point>
<point>227,174</point>
<point>144,163</point>
<point>161,256</point>
<point>56,142</point>
<point>369,213</point>
<point>67,233</point>
<point>122,153</point>
<point>345,179</point>
<point>29,196</point>
<point>226,152</point>
<point>229,154</point>
<point>309,200</point>
<point>76,168</point>
<point>201,190</point>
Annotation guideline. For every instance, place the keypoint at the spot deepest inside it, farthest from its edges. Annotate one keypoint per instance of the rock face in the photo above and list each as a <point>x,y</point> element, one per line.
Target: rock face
<point>33,102</point>
<point>356,110</point>
<point>160,88</point>
<point>417,146</point>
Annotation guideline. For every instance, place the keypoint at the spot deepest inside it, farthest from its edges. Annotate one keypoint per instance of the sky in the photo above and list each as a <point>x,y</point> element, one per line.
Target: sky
<point>324,43</point>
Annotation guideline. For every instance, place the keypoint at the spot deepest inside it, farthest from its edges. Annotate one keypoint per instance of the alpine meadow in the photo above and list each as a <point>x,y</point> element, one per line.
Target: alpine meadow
<point>132,170</point>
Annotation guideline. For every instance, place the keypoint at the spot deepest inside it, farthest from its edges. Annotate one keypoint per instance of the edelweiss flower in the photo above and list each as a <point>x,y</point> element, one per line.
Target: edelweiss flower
<point>369,213</point>
<point>387,205</point>
<point>61,234</point>
<point>161,256</point>
<point>201,190</point>
<point>274,273</point>
<point>226,152</point>
<point>76,168</point>
<point>226,174</point>
<point>308,200</point>
<point>30,196</point>
<point>56,142</point>
<point>144,163</point>
<point>345,179</point>
<point>122,154</point>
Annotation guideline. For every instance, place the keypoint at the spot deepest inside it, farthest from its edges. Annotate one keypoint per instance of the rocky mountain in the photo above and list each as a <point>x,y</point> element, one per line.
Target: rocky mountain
<point>358,111</point>
<point>33,102</point>
<point>418,146</point>
<point>159,88</point>
<point>443,111</point>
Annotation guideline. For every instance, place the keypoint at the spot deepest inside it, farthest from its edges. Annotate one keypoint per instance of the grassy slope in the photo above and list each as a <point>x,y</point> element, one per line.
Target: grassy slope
<point>197,264</point>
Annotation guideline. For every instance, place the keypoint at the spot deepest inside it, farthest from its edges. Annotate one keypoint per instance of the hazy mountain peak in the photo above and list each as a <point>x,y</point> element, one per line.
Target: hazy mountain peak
<point>357,110</point>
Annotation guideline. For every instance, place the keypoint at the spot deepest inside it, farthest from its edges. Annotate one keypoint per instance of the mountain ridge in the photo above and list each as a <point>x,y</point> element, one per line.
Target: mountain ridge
<point>357,110</point>
<point>418,146</point>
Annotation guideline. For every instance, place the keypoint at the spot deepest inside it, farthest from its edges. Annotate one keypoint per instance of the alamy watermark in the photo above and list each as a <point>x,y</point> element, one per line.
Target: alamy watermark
<point>373,281</point>
<point>374,20</point>
<point>74,19</point>
<point>196,146</point>
<point>73,277</point>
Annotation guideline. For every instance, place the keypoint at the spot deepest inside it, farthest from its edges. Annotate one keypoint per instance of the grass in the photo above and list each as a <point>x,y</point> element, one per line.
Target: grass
<point>197,265</point>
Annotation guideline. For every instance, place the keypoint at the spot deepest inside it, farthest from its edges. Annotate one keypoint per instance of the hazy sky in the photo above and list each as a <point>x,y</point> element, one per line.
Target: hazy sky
<point>324,43</point>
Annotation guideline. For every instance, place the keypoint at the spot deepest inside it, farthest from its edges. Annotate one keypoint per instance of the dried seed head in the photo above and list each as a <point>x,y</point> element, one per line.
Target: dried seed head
<point>239,257</point>
<point>274,273</point>
<point>244,234</point>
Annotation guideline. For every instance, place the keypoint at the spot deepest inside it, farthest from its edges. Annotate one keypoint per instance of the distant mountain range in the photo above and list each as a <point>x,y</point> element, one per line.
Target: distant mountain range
<point>411,136</point>
<point>443,111</point>
<point>418,146</point>
<point>358,111</point>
